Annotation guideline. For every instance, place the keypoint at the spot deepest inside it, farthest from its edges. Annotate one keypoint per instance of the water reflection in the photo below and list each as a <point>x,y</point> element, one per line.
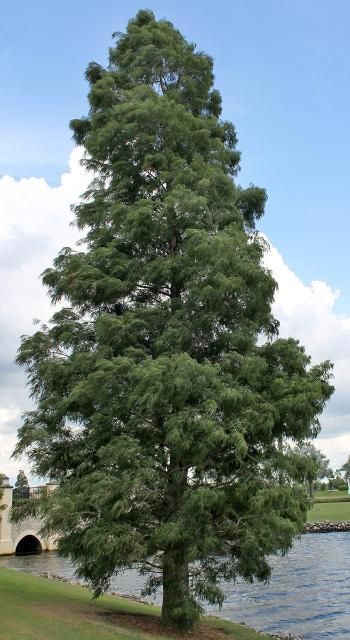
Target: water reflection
<point>309,592</point>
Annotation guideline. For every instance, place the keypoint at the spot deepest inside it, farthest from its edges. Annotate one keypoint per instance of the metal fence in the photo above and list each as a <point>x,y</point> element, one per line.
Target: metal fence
<point>27,493</point>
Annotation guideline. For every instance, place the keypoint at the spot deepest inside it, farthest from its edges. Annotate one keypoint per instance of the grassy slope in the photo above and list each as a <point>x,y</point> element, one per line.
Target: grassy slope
<point>332,511</point>
<point>38,609</point>
<point>330,495</point>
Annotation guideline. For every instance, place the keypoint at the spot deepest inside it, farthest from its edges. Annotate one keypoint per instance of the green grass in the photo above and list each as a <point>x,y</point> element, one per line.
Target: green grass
<point>333,511</point>
<point>332,496</point>
<point>335,499</point>
<point>34,608</point>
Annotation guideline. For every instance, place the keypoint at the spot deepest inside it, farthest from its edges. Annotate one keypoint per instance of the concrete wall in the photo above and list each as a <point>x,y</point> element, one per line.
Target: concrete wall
<point>10,535</point>
<point>6,542</point>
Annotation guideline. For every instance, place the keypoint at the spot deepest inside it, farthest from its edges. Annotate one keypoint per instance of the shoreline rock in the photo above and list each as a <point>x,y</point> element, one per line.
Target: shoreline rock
<point>284,636</point>
<point>326,526</point>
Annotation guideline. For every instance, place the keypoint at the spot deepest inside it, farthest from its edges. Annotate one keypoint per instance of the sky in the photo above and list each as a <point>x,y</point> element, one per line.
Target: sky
<point>283,69</point>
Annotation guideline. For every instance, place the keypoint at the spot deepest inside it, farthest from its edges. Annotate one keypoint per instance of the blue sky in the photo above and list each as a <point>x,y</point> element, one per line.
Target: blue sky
<point>282,67</point>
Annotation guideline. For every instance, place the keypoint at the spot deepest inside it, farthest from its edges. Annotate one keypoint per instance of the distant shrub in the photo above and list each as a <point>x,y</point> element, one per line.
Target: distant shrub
<point>342,486</point>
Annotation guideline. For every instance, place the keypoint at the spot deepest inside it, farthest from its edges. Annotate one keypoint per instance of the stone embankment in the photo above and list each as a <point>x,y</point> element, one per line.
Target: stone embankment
<point>284,636</point>
<point>326,526</point>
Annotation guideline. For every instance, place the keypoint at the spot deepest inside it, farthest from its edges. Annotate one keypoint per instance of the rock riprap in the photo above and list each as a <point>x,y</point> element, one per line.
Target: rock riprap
<point>284,636</point>
<point>327,526</point>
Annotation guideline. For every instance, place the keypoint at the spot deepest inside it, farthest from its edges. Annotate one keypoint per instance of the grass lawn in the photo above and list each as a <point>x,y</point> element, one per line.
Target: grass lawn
<point>34,608</point>
<point>331,495</point>
<point>333,511</point>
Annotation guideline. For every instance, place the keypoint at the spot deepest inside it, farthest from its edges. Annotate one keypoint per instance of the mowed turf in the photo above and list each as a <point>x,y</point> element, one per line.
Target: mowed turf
<point>333,511</point>
<point>331,495</point>
<point>34,608</point>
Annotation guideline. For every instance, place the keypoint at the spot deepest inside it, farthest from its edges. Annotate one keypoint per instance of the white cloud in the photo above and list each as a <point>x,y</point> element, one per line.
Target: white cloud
<point>35,224</point>
<point>307,312</point>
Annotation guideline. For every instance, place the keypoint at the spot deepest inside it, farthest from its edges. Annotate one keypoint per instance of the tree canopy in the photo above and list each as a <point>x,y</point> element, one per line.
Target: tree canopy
<point>161,388</point>
<point>21,480</point>
<point>313,465</point>
<point>346,469</point>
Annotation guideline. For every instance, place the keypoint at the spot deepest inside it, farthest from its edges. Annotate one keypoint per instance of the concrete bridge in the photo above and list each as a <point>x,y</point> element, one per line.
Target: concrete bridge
<point>24,538</point>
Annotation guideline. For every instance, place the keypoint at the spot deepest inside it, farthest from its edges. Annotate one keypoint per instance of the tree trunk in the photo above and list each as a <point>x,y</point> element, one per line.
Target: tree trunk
<point>311,489</point>
<point>178,609</point>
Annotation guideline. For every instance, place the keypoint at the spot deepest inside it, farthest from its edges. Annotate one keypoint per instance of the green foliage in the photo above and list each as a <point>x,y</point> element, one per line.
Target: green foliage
<point>162,391</point>
<point>342,486</point>
<point>312,464</point>
<point>337,482</point>
<point>345,469</point>
<point>21,480</point>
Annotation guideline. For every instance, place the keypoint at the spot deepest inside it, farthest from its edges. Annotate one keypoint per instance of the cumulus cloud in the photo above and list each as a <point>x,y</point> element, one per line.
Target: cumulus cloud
<point>35,224</point>
<point>308,312</point>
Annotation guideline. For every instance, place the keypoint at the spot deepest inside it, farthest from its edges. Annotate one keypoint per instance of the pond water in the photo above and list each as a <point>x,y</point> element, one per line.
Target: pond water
<point>309,592</point>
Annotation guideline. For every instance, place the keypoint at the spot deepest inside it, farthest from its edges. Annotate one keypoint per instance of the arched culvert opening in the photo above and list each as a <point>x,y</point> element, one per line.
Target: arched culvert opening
<point>28,546</point>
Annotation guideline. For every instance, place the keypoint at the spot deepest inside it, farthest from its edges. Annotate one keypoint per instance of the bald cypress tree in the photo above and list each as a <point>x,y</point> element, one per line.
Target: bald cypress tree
<point>162,391</point>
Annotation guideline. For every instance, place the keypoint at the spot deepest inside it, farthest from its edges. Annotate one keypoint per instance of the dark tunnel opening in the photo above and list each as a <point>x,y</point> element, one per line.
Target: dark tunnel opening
<point>29,545</point>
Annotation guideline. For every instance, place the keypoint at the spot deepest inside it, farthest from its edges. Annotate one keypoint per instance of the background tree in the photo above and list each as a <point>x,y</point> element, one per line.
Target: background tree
<point>21,480</point>
<point>314,465</point>
<point>345,469</point>
<point>157,408</point>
